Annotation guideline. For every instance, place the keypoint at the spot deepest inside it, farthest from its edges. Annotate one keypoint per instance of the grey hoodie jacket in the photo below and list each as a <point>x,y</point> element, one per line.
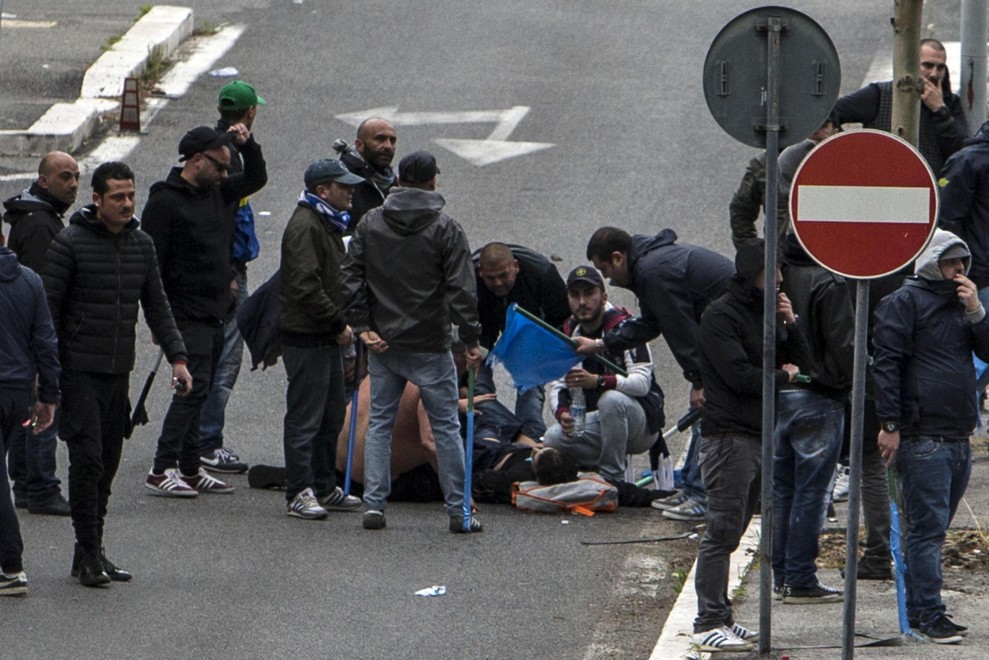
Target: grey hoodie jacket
<point>408,274</point>
<point>923,342</point>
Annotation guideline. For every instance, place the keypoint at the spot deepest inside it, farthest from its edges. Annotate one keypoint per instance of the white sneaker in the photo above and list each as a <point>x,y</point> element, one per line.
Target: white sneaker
<point>719,640</point>
<point>744,633</point>
<point>676,499</point>
<point>840,491</point>
<point>304,505</point>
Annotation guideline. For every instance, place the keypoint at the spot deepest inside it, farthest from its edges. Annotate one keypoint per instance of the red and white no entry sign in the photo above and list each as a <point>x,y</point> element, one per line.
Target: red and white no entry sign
<point>864,203</point>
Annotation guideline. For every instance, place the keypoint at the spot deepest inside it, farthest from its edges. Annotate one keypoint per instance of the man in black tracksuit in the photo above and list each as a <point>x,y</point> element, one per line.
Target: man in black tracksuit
<point>96,272</point>
<point>187,216</point>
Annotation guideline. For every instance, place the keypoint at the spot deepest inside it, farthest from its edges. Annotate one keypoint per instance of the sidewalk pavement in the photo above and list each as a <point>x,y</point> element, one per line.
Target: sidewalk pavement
<point>804,632</point>
<point>67,124</point>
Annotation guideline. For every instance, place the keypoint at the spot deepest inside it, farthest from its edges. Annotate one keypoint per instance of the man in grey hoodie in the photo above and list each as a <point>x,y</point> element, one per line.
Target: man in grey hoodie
<point>923,341</point>
<point>407,276</point>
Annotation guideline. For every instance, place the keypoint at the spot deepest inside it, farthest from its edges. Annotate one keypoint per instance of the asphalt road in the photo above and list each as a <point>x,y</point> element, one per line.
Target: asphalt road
<point>615,89</point>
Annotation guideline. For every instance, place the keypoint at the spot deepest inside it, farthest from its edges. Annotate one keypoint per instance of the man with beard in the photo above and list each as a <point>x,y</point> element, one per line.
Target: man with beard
<point>370,158</point>
<point>35,216</point>
<point>943,128</point>
<point>187,216</point>
<point>624,413</point>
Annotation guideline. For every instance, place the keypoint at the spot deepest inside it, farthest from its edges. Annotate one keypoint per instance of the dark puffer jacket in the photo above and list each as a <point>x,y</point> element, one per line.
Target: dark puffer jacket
<point>94,280</point>
<point>923,342</point>
<point>34,218</point>
<point>964,207</point>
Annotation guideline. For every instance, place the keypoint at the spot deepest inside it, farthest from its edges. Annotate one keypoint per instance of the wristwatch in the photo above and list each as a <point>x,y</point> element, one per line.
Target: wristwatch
<point>601,382</point>
<point>891,426</point>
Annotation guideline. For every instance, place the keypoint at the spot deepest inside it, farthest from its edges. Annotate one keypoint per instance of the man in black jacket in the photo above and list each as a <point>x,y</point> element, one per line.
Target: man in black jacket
<point>27,347</point>
<point>731,336</point>
<point>943,128</point>
<point>313,333</point>
<point>515,274</point>
<point>809,422</point>
<point>674,282</point>
<point>97,271</point>
<point>370,158</point>
<point>237,104</point>
<point>35,216</point>
<point>187,216</point>
<point>924,380</point>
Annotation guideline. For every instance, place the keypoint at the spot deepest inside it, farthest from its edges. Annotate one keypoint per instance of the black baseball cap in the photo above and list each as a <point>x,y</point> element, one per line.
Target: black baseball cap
<point>203,138</point>
<point>417,167</point>
<point>587,274</point>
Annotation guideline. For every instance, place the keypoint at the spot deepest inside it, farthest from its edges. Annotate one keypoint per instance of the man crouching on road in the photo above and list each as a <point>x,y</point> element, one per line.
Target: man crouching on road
<point>924,378</point>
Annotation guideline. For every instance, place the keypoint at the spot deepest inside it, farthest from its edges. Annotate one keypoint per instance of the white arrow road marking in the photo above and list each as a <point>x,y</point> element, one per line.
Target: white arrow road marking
<point>485,152</point>
<point>492,149</point>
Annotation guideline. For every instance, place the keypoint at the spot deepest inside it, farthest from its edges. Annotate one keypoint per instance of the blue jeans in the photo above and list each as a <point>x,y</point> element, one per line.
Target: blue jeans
<point>314,414</point>
<point>212,416</point>
<point>691,481</point>
<point>617,428</point>
<point>436,376</point>
<point>528,404</point>
<point>31,464</point>
<point>933,474</point>
<point>807,443</point>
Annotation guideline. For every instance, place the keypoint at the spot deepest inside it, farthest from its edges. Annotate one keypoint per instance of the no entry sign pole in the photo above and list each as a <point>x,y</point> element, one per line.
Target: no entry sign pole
<point>768,98</point>
<point>864,205</point>
<point>773,30</point>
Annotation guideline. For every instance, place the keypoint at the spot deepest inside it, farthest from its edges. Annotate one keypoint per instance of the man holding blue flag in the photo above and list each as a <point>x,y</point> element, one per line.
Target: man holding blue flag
<point>407,276</point>
<point>624,412</point>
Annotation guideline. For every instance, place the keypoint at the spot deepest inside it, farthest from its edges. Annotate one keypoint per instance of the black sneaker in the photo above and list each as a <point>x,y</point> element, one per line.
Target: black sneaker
<point>374,519</point>
<point>819,593</point>
<point>941,631</point>
<point>56,505</point>
<point>960,629</point>
<point>457,525</point>
<point>13,585</point>
<point>223,461</point>
<point>872,569</point>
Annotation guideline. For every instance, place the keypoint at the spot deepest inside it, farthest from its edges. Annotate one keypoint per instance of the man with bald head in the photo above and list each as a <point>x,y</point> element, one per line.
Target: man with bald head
<point>35,216</point>
<point>371,157</point>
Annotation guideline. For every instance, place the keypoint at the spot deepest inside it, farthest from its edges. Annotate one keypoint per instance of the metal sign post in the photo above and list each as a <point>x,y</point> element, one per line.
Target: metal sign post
<point>770,79</point>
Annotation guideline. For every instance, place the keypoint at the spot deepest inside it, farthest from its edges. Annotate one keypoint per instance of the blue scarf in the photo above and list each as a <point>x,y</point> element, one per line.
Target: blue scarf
<point>339,220</point>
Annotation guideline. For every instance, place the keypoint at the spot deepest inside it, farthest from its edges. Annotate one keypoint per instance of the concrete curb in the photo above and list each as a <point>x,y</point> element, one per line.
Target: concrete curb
<point>674,640</point>
<point>65,126</point>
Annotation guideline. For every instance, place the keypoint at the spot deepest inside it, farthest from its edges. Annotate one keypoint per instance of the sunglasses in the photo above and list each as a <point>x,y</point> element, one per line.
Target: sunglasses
<point>220,165</point>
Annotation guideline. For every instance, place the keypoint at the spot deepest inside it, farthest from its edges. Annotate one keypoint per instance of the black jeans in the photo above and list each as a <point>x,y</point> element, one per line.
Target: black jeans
<point>93,420</point>
<point>14,407</point>
<point>178,444</point>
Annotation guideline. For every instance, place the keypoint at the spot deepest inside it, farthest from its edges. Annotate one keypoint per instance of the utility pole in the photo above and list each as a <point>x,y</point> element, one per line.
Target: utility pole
<point>907,84</point>
<point>973,63</point>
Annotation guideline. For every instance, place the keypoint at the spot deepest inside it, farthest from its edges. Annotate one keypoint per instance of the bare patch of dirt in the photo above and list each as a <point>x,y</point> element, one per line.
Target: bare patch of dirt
<point>964,550</point>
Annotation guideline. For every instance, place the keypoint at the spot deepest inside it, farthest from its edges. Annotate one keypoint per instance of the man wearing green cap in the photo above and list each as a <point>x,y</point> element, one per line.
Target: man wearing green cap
<point>238,104</point>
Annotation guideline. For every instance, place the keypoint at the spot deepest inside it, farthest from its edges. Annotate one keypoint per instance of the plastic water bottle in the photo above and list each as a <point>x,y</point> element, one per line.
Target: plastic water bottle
<point>578,411</point>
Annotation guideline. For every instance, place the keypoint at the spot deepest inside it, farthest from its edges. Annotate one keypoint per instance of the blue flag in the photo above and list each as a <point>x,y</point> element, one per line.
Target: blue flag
<point>532,354</point>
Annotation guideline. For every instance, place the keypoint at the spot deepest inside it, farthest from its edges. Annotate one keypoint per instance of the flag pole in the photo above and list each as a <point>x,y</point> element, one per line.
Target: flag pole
<point>546,326</point>
<point>469,448</point>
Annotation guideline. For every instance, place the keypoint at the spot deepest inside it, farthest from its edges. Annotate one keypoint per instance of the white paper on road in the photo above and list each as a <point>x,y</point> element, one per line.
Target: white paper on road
<point>863,204</point>
<point>435,590</point>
